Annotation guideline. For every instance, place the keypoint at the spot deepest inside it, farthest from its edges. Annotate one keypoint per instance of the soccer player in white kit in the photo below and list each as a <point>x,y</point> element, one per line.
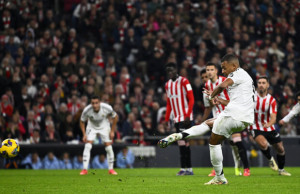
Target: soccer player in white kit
<point>237,115</point>
<point>97,115</point>
<point>238,149</point>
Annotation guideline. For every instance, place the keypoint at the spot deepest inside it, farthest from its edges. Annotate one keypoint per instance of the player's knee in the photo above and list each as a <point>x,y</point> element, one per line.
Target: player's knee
<point>88,147</point>
<point>109,149</point>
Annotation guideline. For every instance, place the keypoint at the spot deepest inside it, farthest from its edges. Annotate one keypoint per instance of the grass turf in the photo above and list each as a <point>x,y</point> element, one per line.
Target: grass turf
<point>151,180</point>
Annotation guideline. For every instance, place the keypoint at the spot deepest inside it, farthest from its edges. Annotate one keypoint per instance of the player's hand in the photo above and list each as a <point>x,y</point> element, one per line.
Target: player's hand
<point>281,122</point>
<point>111,135</point>
<point>207,92</point>
<point>84,139</point>
<point>216,101</point>
<point>267,125</point>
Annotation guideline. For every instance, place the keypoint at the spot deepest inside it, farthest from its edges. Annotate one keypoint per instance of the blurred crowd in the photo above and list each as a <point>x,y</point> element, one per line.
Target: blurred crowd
<point>124,159</point>
<point>55,55</point>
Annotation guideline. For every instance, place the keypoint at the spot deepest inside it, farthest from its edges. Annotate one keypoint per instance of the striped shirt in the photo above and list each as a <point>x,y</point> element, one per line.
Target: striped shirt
<point>209,85</point>
<point>264,107</point>
<point>177,95</point>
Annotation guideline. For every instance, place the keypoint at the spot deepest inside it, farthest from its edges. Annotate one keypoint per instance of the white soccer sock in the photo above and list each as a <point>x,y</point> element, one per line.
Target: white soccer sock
<point>197,130</point>
<point>110,156</point>
<point>216,158</point>
<point>86,155</point>
<point>236,156</point>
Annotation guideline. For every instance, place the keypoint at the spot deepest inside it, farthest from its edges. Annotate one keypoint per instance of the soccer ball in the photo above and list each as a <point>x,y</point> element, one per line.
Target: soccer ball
<point>9,148</point>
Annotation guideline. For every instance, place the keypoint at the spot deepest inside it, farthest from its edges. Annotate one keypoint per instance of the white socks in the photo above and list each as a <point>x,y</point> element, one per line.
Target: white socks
<point>236,156</point>
<point>110,156</point>
<point>86,155</point>
<point>216,158</point>
<point>197,130</point>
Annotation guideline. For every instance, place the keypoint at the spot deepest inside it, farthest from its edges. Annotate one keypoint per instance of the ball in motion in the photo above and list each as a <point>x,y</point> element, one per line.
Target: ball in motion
<point>9,148</point>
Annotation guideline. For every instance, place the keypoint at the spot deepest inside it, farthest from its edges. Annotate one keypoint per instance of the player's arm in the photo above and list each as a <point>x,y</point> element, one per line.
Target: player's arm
<point>168,110</point>
<point>272,120</point>
<point>221,87</point>
<point>82,127</point>
<point>114,126</point>
<point>273,114</point>
<point>295,111</point>
<point>82,123</point>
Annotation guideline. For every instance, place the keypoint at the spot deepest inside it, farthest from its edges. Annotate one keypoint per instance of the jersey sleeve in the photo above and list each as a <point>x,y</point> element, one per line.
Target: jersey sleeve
<point>110,111</point>
<point>273,107</point>
<point>84,114</point>
<point>295,111</point>
<point>236,77</point>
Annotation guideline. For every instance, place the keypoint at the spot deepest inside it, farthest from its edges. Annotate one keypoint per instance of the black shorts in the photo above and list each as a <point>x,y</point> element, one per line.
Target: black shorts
<point>272,136</point>
<point>181,126</point>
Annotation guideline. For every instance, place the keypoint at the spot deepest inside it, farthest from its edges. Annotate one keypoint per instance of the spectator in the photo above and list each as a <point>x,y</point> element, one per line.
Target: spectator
<point>100,161</point>
<point>125,158</point>
<point>32,161</point>
<point>51,162</point>
<point>50,135</point>
<point>66,163</point>
<point>77,162</point>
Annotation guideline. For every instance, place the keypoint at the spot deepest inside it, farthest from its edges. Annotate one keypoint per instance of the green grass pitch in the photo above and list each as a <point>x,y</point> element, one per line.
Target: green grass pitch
<point>146,180</point>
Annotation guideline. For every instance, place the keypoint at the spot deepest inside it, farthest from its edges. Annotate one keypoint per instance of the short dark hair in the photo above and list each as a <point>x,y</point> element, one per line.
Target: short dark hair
<point>263,77</point>
<point>297,94</point>
<point>211,64</point>
<point>95,97</point>
<point>229,57</point>
<point>203,71</point>
<point>171,64</point>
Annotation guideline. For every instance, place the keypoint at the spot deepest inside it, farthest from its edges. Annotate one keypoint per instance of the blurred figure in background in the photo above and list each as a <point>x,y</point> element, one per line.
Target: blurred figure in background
<point>125,158</point>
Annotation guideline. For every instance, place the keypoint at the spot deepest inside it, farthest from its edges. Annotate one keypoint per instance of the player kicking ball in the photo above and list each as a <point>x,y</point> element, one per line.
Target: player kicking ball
<point>97,115</point>
<point>237,115</point>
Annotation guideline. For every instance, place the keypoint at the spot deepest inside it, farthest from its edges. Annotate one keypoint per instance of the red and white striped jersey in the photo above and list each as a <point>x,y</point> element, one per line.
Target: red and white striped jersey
<point>264,107</point>
<point>177,93</point>
<point>209,85</point>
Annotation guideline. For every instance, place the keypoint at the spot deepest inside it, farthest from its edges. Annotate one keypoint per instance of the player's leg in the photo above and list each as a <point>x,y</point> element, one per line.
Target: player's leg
<point>278,145</point>
<point>223,127</point>
<point>104,134</point>
<point>237,140</point>
<point>236,156</point>
<point>87,150</point>
<point>216,157</point>
<point>262,142</point>
<point>194,131</point>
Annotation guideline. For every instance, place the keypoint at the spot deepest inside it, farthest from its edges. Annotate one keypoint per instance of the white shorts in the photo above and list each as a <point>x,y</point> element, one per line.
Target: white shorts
<point>226,125</point>
<point>92,133</point>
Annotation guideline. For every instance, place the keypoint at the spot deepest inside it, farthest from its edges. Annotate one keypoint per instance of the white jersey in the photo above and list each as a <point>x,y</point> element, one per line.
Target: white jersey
<point>98,120</point>
<point>241,94</point>
<point>294,112</point>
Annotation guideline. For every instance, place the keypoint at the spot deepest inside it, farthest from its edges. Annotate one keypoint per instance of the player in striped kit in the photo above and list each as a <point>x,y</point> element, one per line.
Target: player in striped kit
<point>180,101</point>
<point>263,129</point>
<point>238,149</point>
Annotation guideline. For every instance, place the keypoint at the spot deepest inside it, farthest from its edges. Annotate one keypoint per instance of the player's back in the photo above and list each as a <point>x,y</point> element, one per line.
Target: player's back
<point>241,95</point>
